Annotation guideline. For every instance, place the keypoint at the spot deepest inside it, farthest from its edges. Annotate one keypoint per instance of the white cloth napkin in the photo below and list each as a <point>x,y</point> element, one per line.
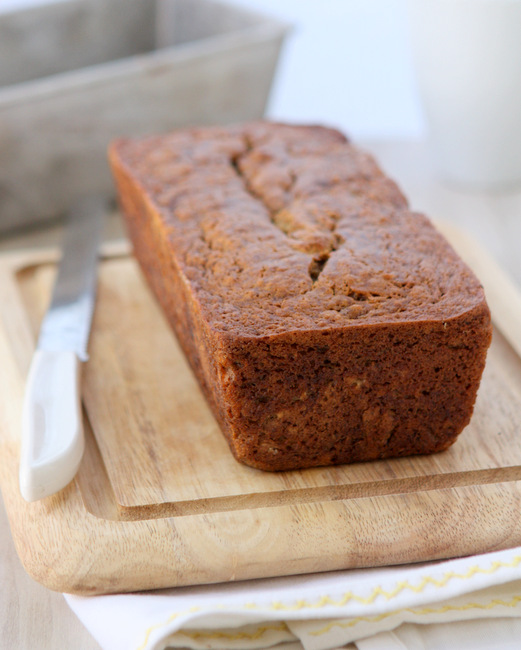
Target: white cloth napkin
<point>431,606</point>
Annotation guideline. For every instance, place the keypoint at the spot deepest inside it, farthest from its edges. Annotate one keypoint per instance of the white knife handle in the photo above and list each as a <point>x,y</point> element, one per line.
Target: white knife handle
<point>52,429</point>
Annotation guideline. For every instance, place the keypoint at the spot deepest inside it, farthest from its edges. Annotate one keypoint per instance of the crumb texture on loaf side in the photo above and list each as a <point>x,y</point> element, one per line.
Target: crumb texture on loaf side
<point>326,321</point>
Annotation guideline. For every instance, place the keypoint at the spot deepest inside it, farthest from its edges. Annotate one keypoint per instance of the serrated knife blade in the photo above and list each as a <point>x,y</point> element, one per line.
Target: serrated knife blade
<point>52,430</point>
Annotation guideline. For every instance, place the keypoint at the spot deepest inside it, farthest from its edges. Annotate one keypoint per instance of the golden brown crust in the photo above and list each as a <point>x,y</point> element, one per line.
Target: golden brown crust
<point>325,321</point>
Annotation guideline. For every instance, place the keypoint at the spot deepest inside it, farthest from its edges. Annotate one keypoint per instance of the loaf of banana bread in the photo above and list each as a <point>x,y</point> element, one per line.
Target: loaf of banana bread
<point>325,321</point>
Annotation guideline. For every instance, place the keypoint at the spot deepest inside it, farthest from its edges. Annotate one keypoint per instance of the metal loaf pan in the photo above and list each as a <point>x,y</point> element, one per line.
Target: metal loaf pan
<point>77,73</point>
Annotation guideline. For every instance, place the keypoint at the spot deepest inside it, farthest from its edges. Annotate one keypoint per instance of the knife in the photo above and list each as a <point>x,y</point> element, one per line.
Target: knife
<point>52,430</point>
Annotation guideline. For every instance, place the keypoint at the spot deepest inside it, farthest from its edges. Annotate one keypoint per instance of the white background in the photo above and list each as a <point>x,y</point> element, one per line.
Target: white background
<point>347,63</point>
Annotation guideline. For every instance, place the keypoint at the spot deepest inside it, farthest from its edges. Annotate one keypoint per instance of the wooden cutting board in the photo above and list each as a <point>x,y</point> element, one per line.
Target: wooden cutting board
<point>159,501</point>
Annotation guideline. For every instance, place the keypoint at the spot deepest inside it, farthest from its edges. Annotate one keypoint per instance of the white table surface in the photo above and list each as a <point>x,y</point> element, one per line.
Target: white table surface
<point>31,617</point>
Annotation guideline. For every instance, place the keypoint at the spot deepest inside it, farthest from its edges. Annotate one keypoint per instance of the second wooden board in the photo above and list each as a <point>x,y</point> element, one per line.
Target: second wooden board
<point>159,501</point>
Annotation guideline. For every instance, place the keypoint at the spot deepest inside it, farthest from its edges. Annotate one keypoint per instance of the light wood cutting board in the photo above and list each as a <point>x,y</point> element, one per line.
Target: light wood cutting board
<point>159,501</point>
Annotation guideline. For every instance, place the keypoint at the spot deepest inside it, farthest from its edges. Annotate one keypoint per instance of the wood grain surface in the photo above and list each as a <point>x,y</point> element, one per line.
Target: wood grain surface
<point>159,501</point>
